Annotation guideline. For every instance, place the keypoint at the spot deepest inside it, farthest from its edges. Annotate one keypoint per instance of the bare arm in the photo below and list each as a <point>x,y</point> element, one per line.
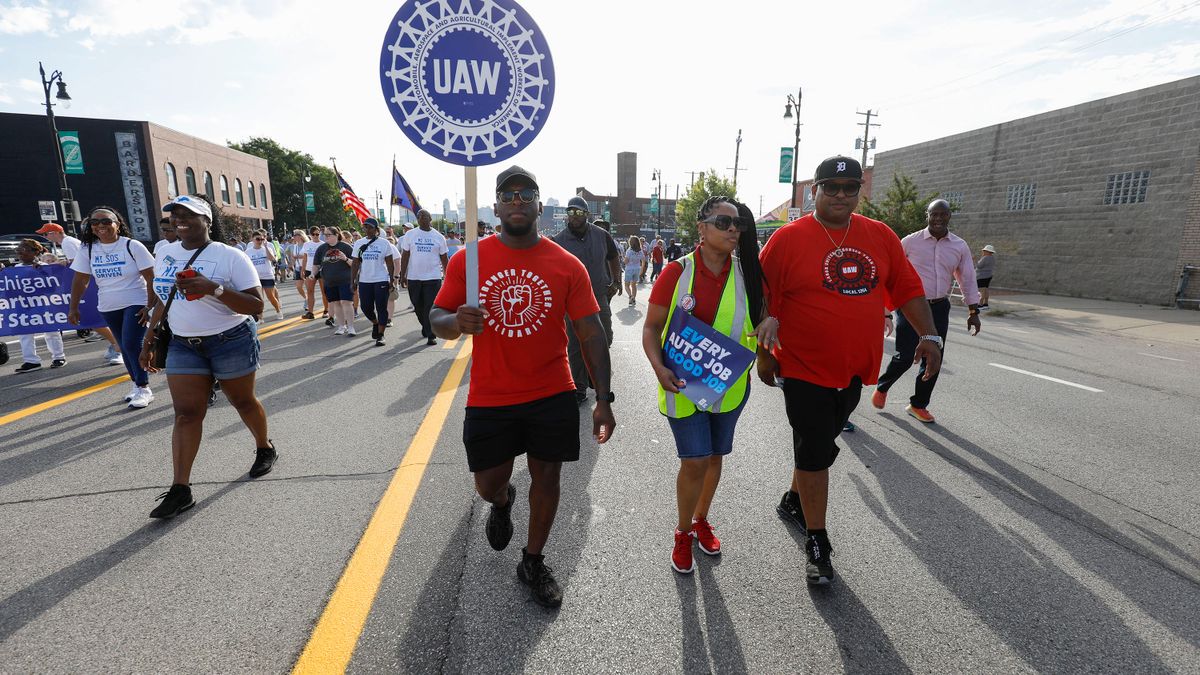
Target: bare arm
<point>78,283</point>
<point>404,269</point>
<point>594,346</point>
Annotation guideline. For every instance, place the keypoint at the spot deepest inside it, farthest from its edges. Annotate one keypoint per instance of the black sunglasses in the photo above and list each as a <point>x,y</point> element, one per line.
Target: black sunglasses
<point>723,223</point>
<point>848,189</point>
<point>526,196</point>
<point>107,222</point>
<point>577,212</point>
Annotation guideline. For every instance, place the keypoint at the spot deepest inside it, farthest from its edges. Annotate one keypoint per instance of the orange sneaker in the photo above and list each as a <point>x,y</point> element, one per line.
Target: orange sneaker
<point>681,556</point>
<point>879,398</point>
<point>708,541</point>
<point>919,413</point>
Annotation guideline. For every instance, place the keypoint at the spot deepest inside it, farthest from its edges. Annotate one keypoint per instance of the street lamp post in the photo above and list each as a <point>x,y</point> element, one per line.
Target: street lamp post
<point>657,175</point>
<point>68,199</point>
<point>787,114</point>
<point>304,197</point>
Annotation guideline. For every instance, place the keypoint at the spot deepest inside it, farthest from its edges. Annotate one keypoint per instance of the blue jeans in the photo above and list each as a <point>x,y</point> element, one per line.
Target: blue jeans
<point>224,356</point>
<point>129,333</point>
<point>704,434</point>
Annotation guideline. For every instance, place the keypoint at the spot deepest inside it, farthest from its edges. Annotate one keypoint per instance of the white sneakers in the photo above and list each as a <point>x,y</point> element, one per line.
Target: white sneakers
<point>341,330</point>
<point>142,396</point>
<point>350,331</point>
<point>133,389</point>
<point>113,357</point>
<point>279,316</point>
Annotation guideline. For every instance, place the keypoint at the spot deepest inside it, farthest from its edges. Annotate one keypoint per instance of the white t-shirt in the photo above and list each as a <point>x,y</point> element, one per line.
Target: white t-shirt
<point>223,264</point>
<point>634,260</point>
<point>160,242</point>
<point>310,249</point>
<point>374,265</point>
<point>424,253</point>
<point>118,276</point>
<point>258,258</point>
<point>295,250</point>
<point>70,247</point>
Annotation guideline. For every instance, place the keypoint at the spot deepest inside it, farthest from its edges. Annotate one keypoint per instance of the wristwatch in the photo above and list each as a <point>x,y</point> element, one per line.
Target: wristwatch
<point>605,398</point>
<point>218,291</point>
<point>935,339</point>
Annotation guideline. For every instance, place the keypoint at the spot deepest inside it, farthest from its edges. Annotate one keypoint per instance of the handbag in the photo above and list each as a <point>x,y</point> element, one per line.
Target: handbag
<point>162,332</point>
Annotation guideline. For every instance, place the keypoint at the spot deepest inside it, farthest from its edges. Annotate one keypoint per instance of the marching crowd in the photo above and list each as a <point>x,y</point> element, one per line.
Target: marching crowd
<point>809,308</point>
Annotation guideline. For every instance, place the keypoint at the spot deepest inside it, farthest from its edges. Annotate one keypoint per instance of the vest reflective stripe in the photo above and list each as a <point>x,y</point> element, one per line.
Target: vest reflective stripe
<point>731,311</point>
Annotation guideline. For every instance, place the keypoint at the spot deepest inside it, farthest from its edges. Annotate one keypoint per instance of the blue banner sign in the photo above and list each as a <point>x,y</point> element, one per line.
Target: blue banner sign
<point>470,82</point>
<point>36,299</point>
<point>706,360</point>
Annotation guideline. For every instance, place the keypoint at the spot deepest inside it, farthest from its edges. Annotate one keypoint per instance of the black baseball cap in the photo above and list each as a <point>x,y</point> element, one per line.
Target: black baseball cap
<point>839,166</point>
<point>577,203</point>
<point>513,172</point>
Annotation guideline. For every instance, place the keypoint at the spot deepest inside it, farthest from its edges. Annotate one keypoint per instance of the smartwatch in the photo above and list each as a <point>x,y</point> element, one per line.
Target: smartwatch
<point>935,339</point>
<point>606,398</point>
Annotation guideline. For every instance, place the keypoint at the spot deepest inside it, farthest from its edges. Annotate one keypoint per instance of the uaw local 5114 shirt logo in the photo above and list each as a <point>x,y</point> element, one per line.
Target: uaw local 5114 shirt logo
<point>517,302</point>
<point>851,273</point>
<point>470,81</point>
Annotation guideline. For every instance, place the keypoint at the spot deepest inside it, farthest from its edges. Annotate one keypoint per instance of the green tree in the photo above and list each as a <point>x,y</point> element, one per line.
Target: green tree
<point>287,167</point>
<point>689,204</point>
<point>902,207</point>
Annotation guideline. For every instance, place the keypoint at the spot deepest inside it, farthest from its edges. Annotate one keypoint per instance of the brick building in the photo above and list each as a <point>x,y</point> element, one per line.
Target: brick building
<point>135,167</point>
<point>1097,200</point>
<point>629,213</point>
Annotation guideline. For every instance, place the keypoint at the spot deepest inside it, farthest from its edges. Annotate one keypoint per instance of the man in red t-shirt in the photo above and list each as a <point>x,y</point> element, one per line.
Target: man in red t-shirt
<point>656,259</point>
<point>522,398</point>
<point>830,277</point>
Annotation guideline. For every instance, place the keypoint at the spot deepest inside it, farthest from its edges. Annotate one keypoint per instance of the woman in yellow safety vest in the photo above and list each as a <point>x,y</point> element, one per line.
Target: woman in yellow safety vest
<point>723,290</point>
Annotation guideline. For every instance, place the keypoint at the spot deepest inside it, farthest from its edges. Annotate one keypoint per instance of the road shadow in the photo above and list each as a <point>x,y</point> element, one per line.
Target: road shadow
<point>1036,608</point>
<point>629,315</point>
<point>714,646</point>
<point>27,604</point>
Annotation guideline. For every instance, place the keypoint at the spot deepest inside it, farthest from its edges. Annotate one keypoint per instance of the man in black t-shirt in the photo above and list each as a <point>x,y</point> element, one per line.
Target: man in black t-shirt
<point>674,251</point>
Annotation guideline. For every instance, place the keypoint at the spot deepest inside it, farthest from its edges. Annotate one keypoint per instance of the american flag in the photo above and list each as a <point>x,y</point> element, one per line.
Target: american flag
<point>350,201</point>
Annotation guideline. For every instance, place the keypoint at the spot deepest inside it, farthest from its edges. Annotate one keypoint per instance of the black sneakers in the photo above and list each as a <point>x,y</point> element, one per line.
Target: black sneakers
<point>3,353</point>
<point>58,363</point>
<point>264,459</point>
<point>174,502</point>
<point>499,524</point>
<point>431,341</point>
<point>306,315</point>
<point>533,572</point>
<point>789,509</point>
<point>819,569</point>
<point>27,367</point>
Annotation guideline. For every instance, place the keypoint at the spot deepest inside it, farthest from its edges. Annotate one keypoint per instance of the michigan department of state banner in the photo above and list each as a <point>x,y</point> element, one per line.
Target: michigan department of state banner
<point>36,299</point>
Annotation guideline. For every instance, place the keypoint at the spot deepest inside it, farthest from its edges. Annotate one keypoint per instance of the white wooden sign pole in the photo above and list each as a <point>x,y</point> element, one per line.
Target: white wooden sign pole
<point>472,235</point>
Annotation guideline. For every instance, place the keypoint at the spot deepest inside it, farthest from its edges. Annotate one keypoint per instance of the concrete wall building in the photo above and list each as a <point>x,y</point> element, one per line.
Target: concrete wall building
<point>133,166</point>
<point>1098,200</point>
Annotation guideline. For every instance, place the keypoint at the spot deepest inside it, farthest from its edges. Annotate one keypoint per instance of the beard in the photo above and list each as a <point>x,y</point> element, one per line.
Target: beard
<point>517,230</point>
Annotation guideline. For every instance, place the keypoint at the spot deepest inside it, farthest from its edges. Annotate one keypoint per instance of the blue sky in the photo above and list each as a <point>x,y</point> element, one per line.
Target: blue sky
<point>671,81</point>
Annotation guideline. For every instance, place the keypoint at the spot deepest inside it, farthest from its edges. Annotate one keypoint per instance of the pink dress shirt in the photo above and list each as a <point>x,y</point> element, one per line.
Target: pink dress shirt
<point>940,261</point>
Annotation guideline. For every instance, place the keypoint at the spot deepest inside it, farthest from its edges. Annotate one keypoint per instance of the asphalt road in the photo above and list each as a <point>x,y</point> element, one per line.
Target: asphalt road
<point>1038,526</point>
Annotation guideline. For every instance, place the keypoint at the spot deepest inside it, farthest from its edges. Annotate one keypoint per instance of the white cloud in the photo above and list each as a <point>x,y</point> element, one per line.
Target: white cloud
<point>4,97</point>
<point>88,44</point>
<point>17,18</point>
<point>29,85</point>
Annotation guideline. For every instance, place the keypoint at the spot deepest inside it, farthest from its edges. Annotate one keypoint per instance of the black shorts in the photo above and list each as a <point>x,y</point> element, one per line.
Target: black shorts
<point>546,429</point>
<point>984,283</point>
<point>267,283</point>
<point>817,415</point>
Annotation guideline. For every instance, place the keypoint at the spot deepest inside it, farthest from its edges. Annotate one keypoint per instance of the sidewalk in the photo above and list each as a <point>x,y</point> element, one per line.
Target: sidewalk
<point>1142,322</point>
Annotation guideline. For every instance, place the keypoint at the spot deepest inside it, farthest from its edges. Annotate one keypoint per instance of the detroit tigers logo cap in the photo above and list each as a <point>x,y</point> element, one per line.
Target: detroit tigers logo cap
<point>838,166</point>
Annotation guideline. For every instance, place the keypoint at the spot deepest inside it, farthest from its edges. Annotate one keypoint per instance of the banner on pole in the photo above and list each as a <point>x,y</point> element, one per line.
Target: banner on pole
<point>36,299</point>
<point>310,202</point>
<point>786,158</point>
<point>72,153</point>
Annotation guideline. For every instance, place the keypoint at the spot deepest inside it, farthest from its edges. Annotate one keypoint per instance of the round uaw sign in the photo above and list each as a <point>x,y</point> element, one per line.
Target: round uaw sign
<point>470,82</point>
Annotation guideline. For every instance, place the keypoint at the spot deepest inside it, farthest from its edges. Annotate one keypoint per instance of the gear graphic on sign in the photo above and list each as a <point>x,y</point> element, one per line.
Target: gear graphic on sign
<point>470,81</point>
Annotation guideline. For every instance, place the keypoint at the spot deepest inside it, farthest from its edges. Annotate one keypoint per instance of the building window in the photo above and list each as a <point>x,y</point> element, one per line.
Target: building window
<point>237,192</point>
<point>262,195</point>
<point>955,199</point>
<point>1127,188</point>
<point>253,197</point>
<point>1022,197</point>
<point>224,189</point>
<point>208,187</point>
<point>172,183</point>
<point>189,176</point>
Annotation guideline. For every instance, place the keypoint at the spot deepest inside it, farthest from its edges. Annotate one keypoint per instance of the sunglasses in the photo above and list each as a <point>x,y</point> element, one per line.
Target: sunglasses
<point>723,223</point>
<point>577,212</point>
<point>106,222</point>
<point>528,195</point>
<point>848,189</point>
<point>259,239</point>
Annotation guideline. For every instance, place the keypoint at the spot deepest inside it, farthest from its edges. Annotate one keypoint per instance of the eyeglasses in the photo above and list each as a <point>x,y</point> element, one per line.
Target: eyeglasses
<point>526,196</point>
<point>259,239</point>
<point>577,212</point>
<point>723,223</point>
<point>105,222</point>
<point>848,189</point>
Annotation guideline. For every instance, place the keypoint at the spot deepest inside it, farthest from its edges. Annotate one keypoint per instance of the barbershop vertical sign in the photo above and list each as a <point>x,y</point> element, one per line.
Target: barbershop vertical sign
<point>137,202</point>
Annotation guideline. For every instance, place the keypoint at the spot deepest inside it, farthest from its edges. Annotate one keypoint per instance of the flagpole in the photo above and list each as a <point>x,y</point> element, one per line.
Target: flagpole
<point>472,236</point>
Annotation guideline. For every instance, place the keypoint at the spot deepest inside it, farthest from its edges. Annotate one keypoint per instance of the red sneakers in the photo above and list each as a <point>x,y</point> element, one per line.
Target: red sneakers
<point>878,399</point>
<point>681,556</point>
<point>704,535</point>
<point>920,413</point>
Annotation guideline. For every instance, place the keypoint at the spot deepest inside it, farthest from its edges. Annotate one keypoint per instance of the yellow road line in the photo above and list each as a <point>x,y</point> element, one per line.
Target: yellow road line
<point>67,398</point>
<point>337,631</point>
<point>275,327</point>
<point>450,344</point>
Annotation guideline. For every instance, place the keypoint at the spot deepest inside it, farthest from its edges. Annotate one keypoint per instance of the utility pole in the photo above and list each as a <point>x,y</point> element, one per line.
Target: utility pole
<point>866,141</point>
<point>736,155</point>
<point>693,175</point>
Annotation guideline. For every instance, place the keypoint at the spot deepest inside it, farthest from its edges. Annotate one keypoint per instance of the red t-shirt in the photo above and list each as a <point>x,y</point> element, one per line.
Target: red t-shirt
<point>521,355</point>
<point>830,309</point>
<point>656,254</point>
<point>706,287</point>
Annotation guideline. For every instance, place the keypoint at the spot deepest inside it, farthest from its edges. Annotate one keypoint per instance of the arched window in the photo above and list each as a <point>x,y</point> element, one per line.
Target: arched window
<point>262,194</point>
<point>208,187</point>
<point>189,176</point>
<point>224,190</point>
<point>172,183</point>
<point>253,197</point>
<point>237,192</point>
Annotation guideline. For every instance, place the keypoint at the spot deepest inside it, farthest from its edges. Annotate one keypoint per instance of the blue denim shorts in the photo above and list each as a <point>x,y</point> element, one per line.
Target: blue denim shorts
<point>339,292</point>
<point>704,434</point>
<point>225,356</point>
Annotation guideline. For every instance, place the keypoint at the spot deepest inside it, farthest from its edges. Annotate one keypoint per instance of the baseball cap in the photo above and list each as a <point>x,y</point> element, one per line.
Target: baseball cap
<point>989,248</point>
<point>513,172</point>
<point>577,203</point>
<point>50,227</point>
<point>371,222</point>
<point>196,206</point>
<point>838,166</point>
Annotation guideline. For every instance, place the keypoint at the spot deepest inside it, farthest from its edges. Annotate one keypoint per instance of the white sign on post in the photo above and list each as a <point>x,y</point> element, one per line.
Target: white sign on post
<point>795,214</point>
<point>48,211</point>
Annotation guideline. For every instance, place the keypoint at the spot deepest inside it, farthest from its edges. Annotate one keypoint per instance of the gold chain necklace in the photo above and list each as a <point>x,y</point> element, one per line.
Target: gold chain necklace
<point>837,248</point>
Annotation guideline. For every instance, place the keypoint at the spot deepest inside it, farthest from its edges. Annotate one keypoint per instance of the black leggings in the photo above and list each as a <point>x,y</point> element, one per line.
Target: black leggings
<point>373,298</point>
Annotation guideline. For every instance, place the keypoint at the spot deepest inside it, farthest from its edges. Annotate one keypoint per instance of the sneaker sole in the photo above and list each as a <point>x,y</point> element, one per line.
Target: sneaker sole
<point>262,473</point>
<point>139,407</point>
<point>177,512</point>
<point>915,417</point>
<point>705,551</point>
<point>687,571</point>
<point>821,580</point>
